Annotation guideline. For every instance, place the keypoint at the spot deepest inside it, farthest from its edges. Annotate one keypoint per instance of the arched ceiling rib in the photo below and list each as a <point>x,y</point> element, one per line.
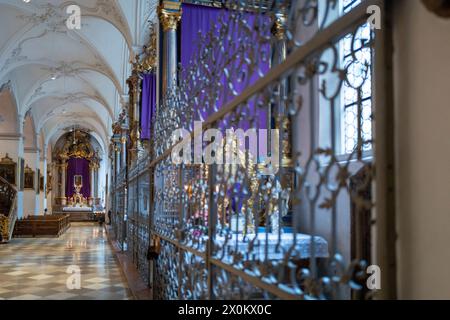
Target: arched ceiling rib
<point>86,83</point>
<point>69,106</point>
<point>56,128</point>
<point>64,68</point>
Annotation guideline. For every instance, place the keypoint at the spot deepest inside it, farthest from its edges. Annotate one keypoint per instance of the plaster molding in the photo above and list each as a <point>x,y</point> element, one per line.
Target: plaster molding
<point>10,136</point>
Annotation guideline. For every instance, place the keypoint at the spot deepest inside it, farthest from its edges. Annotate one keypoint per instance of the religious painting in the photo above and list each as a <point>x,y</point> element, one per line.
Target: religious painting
<point>49,185</point>
<point>8,169</point>
<point>41,183</point>
<point>29,178</point>
<point>38,181</point>
<point>21,174</point>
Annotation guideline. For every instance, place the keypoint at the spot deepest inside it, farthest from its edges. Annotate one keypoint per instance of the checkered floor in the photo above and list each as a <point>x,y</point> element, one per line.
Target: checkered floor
<point>37,269</point>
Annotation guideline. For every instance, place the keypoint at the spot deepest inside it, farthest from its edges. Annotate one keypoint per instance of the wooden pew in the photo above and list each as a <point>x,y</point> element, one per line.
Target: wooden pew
<point>42,226</point>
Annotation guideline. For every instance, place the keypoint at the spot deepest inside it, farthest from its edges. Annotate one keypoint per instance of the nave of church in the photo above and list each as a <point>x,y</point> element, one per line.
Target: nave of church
<point>224,150</point>
<point>39,269</point>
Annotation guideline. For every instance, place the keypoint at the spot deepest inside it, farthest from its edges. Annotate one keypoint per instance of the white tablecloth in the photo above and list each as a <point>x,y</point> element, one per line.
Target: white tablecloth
<point>75,209</point>
<point>277,248</point>
<point>273,246</point>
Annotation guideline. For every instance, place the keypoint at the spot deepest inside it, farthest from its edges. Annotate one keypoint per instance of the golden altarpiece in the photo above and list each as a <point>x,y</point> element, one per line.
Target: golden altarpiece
<point>75,190</point>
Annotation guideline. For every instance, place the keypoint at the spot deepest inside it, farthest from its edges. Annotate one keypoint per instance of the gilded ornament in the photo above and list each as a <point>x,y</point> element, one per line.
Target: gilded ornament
<point>169,19</point>
<point>77,145</point>
<point>279,26</point>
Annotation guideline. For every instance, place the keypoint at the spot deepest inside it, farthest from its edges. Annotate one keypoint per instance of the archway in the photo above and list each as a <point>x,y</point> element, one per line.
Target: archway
<point>77,158</point>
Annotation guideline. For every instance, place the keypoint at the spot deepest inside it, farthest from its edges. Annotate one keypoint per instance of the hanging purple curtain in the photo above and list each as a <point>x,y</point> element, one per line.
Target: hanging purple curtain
<point>197,21</point>
<point>148,107</point>
<point>78,167</point>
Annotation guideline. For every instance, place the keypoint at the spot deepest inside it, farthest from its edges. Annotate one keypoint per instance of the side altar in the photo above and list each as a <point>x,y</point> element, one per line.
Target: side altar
<point>77,201</point>
<point>77,173</point>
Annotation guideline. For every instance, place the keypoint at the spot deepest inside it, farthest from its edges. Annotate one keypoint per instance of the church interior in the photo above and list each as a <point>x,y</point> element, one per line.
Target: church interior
<point>224,150</point>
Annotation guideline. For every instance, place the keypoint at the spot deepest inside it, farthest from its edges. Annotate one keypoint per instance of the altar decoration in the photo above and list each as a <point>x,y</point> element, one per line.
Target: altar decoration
<point>235,205</point>
<point>77,170</point>
<point>197,213</point>
<point>78,200</point>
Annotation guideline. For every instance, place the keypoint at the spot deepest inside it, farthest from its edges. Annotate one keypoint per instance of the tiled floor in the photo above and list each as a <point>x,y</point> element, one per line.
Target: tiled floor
<point>32,269</point>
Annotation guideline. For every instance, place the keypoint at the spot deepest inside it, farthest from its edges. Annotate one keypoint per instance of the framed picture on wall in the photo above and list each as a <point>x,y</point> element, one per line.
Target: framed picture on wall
<point>29,178</point>
<point>41,182</point>
<point>8,169</point>
<point>21,174</point>
<point>49,185</point>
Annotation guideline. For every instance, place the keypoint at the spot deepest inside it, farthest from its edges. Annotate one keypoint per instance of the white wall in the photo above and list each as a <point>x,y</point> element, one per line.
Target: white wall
<point>50,194</point>
<point>29,196</point>
<point>10,147</point>
<point>41,193</point>
<point>8,114</point>
<point>422,102</point>
<point>102,180</point>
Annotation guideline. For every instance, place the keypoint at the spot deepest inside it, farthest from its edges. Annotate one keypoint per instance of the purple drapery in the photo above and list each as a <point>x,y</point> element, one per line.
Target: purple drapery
<point>195,19</point>
<point>148,107</point>
<point>78,167</point>
<point>199,20</point>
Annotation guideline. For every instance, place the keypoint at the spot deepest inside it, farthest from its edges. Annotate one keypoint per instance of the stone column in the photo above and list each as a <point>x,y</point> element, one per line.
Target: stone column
<point>112,168</point>
<point>58,178</point>
<point>20,173</point>
<point>279,31</point>
<point>170,14</point>
<point>286,174</point>
<point>37,204</point>
<point>110,182</point>
<point>63,183</point>
<point>134,83</point>
<point>45,172</point>
<point>96,183</point>
<point>285,122</point>
<point>124,151</point>
<point>117,150</point>
<point>92,182</point>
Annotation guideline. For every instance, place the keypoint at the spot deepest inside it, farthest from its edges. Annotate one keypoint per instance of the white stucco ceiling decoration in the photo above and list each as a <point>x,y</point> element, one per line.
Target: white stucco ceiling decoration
<point>64,77</point>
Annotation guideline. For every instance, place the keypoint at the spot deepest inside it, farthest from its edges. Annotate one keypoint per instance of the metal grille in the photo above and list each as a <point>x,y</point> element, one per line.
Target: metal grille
<point>131,220</point>
<point>119,197</point>
<point>231,231</point>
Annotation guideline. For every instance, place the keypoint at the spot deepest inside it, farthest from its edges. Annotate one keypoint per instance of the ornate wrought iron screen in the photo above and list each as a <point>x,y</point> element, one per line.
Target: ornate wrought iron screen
<point>308,227</point>
<point>138,216</point>
<point>119,206</point>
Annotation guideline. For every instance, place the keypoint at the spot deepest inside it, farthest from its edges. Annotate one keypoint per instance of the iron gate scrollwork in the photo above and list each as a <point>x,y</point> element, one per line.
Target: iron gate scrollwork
<point>233,231</point>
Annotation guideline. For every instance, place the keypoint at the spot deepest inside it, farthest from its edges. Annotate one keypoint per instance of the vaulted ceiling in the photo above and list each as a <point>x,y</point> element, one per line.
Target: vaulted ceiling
<point>64,78</point>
